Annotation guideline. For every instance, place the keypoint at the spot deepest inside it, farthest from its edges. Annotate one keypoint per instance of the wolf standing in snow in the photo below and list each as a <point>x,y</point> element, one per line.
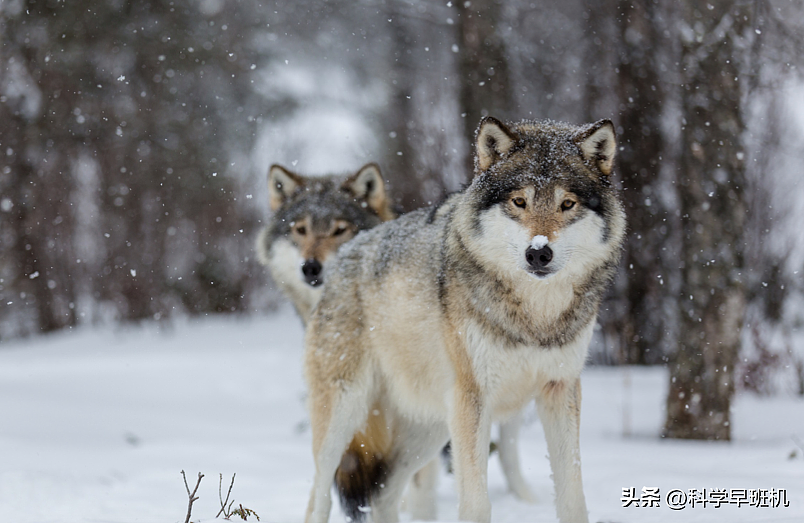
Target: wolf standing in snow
<point>435,324</point>
<point>313,217</point>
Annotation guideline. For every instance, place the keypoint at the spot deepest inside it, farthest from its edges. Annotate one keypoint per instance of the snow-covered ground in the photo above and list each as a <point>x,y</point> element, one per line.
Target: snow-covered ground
<point>96,425</point>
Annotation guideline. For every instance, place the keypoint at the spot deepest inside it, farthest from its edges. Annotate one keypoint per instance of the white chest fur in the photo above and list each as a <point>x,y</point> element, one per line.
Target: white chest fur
<point>512,376</point>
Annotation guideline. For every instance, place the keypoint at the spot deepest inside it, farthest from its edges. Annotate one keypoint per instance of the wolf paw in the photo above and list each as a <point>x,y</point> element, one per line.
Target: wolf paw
<point>524,493</point>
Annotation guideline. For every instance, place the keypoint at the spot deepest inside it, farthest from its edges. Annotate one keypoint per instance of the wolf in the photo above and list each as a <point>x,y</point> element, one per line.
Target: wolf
<point>433,325</point>
<point>312,218</point>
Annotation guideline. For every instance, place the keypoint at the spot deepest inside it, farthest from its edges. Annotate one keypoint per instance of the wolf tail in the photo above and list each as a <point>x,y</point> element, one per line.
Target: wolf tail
<point>363,468</point>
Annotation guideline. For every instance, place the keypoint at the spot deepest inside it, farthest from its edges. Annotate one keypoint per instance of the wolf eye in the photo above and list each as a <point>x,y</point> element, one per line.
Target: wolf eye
<point>519,202</point>
<point>301,229</point>
<point>340,230</point>
<point>566,205</point>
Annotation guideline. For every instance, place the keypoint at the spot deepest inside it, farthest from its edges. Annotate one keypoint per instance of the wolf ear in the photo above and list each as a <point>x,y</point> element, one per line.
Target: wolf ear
<point>598,144</point>
<point>282,184</point>
<point>493,141</point>
<point>367,185</point>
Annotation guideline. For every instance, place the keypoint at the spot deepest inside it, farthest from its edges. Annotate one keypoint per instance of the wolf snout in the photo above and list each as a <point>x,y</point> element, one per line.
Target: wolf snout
<point>312,272</point>
<point>539,259</point>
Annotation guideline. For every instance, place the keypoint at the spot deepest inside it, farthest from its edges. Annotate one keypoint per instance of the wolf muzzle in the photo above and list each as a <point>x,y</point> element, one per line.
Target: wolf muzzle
<point>539,259</point>
<point>311,269</point>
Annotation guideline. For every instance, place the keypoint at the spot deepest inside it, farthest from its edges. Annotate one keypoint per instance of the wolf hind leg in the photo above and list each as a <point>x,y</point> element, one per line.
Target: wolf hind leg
<point>421,496</point>
<point>335,418</point>
<point>559,409</point>
<point>508,447</point>
<point>415,451</point>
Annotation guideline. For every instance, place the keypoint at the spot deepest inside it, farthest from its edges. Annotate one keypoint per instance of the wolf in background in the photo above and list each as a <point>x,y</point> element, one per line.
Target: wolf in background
<point>312,218</point>
<point>434,325</point>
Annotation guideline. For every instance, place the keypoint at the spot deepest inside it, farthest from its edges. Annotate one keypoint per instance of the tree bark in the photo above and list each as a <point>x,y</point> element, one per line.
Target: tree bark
<point>405,180</point>
<point>483,68</point>
<point>640,94</point>
<point>711,183</point>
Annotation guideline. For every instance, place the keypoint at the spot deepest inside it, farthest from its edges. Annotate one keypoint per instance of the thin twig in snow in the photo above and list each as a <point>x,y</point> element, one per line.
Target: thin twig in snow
<point>226,513</point>
<point>191,495</point>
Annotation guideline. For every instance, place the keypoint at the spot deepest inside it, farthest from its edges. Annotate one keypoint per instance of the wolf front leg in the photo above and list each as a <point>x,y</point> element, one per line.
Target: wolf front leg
<point>508,448</point>
<point>559,406</point>
<point>470,430</point>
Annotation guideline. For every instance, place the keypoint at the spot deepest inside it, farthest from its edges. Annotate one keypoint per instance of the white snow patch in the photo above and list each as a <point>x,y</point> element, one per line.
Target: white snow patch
<point>97,425</point>
<point>539,241</point>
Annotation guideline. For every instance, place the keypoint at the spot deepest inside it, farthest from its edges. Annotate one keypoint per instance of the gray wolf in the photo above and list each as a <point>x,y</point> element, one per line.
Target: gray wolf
<point>312,218</point>
<point>435,324</point>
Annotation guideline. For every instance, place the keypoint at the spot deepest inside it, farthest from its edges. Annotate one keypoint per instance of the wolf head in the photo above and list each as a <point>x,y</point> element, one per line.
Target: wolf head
<point>542,193</point>
<point>314,216</point>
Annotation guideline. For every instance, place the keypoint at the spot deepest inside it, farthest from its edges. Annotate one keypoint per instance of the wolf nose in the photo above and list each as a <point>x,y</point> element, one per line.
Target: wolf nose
<point>312,272</point>
<point>538,259</point>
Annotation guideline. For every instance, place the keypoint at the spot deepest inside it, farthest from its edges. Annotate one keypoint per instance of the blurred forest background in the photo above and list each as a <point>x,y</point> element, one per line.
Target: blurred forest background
<point>135,139</point>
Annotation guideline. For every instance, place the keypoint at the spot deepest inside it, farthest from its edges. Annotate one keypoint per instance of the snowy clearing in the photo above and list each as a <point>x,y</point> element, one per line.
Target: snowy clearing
<point>96,425</point>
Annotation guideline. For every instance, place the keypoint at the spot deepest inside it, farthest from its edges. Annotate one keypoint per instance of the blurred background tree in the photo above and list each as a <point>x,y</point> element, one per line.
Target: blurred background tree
<point>135,139</point>
<point>711,188</point>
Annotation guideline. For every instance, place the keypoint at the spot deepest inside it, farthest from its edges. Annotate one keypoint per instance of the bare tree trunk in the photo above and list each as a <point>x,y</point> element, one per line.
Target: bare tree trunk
<point>30,253</point>
<point>594,57</point>
<point>483,67</point>
<point>42,215</point>
<point>405,181</point>
<point>711,189</point>
<point>640,94</point>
